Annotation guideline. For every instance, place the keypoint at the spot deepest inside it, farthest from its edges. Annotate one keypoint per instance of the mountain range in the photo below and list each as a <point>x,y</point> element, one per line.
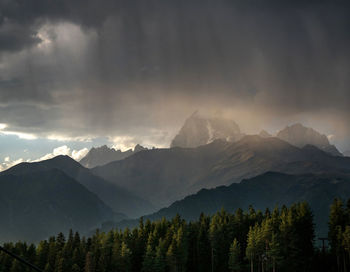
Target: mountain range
<point>103,155</point>
<point>201,172</point>
<point>199,130</point>
<point>162,176</point>
<point>268,190</point>
<point>118,198</point>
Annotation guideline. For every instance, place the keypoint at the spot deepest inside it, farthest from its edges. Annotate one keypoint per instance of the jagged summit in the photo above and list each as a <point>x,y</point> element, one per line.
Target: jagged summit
<point>200,130</point>
<point>139,148</point>
<point>264,134</point>
<point>103,155</point>
<point>300,136</point>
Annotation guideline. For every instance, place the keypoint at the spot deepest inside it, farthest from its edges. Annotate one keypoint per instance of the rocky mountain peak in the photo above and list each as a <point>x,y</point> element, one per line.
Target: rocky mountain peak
<point>200,130</point>
<point>299,135</point>
<point>264,134</point>
<point>104,154</point>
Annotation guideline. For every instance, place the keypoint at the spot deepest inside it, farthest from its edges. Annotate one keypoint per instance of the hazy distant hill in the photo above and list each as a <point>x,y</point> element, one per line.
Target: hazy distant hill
<point>347,153</point>
<point>300,136</point>
<point>199,130</point>
<point>267,190</point>
<point>119,199</point>
<point>166,175</point>
<point>103,155</point>
<point>38,204</point>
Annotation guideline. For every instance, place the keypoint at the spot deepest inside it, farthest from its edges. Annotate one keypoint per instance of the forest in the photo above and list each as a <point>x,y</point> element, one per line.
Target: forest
<point>279,240</point>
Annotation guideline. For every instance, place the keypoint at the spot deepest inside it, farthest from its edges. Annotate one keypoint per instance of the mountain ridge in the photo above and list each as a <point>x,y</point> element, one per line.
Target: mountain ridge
<point>42,203</point>
<point>299,135</point>
<point>103,155</point>
<point>267,190</point>
<point>118,198</point>
<point>182,171</point>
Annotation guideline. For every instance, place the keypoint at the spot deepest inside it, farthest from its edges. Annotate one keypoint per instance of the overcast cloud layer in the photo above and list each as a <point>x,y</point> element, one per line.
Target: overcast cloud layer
<point>132,71</point>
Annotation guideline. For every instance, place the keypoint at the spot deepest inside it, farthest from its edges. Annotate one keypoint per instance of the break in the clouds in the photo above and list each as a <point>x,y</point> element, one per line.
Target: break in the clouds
<point>133,70</point>
<point>61,150</point>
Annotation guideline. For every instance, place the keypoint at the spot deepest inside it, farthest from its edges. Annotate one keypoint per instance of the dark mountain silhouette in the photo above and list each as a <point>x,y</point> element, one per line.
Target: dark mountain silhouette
<point>300,136</point>
<point>199,130</point>
<point>103,155</point>
<point>119,199</point>
<point>266,190</point>
<point>34,205</point>
<point>166,175</point>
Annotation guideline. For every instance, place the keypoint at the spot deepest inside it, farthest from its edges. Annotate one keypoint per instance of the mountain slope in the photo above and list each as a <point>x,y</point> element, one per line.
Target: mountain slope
<point>162,175</point>
<point>198,130</point>
<point>36,205</point>
<point>103,155</point>
<point>300,136</point>
<point>267,190</point>
<point>119,199</point>
<point>166,175</point>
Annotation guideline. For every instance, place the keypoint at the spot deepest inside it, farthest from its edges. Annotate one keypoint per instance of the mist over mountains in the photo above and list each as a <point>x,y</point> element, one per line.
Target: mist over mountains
<point>199,130</point>
<point>206,154</point>
<point>103,155</point>
<point>300,136</point>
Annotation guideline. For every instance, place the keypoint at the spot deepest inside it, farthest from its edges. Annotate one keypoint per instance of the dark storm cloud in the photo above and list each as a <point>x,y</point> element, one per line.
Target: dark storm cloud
<point>143,65</point>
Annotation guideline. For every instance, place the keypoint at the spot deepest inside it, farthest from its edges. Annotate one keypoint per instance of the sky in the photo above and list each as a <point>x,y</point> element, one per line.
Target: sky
<point>76,74</point>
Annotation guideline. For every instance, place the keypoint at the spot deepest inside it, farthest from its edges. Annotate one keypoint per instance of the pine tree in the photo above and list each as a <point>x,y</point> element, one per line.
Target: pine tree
<point>275,252</point>
<point>234,257</point>
<point>42,254</point>
<point>126,257</point>
<point>204,247</point>
<point>148,261</point>
<point>89,264</point>
<point>160,257</point>
<point>251,249</point>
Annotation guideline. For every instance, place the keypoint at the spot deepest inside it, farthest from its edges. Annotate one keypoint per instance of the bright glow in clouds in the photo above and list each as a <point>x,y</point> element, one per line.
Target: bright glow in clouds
<point>44,37</point>
<point>8,164</point>
<point>66,151</point>
<point>21,135</point>
<point>62,138</point>
<point>62,150</point>
<point>2,126</point>
<point>123,143</point>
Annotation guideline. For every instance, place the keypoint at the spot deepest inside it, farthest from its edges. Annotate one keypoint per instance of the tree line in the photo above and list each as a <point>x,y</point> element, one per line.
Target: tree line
<point>279,240</point>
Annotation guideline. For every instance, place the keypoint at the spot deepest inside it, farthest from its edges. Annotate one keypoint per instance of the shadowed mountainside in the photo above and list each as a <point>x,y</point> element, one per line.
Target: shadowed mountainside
<point>119,199</point>
<point>42,203</point>
<point>266,190</point>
